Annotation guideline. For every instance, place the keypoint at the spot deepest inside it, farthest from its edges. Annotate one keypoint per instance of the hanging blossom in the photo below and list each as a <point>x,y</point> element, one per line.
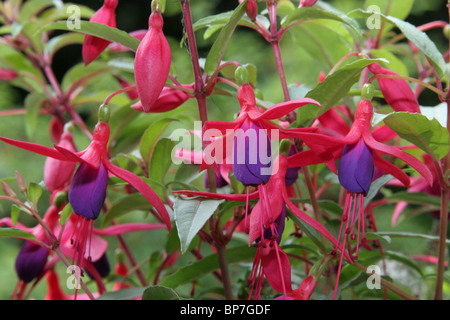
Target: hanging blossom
<point>267,224</point>
<point>359,153</point>
<point>87,190</point>
<point>93,46</point>
<point>152,61</point>
<point>244,144</point>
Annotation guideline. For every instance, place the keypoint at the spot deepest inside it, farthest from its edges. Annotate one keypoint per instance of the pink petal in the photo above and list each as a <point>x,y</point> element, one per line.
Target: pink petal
<point>128,227</point>
<point>406,157</point>
<point>36,148</point>
<point>142,187</point>
<point>281,109</point>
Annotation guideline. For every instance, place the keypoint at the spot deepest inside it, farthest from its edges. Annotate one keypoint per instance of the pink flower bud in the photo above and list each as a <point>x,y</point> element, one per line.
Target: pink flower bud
<point>169,99</point>
<point>58,173</point>
<point>252,9</point>
<point>8,74</point>
<point>152,63</point>
<point>94,46</point>
<point>397,93</point>
<point>307,3</point>
<point>132,94</point>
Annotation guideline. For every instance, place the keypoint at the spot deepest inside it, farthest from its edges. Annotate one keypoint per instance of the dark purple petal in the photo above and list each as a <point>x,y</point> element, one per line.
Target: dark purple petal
<point>356,167</point>
<point>220,181</point>
<point>87,190</point>
<point>291,173</point>
<point>102,266</point>
<point>279,224</point>
<point>252,155</point>
<point>31,261</point>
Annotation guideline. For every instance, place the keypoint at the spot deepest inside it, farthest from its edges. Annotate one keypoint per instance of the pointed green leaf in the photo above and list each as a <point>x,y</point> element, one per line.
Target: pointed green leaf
<point>331,90</point>
<point>159,293</point>
<point>205,266</point>
<point>15,233</point>
<point>98,30</point>
<point>428,135</point>
<point>190,216</point>
<point>218,48</point>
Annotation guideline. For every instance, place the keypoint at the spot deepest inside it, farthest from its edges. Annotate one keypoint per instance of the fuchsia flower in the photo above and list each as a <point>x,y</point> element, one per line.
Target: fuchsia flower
<point>57,173</point>
<point>169,99</point>
<point>8,74</point>
<point>152,62</point>
<point>306,3</point>
<point>219,136</point>
<point>94,46</point>
<point>359,154</point>
<point>266,227</point>
<point>397,93</point>
<point>88,186</point>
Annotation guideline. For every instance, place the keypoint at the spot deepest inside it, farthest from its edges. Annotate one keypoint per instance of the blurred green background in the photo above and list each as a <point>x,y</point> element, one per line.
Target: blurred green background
<point>246,47</point>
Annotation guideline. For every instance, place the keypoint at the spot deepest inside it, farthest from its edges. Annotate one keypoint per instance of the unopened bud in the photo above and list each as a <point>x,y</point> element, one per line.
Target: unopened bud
<point>367,91</point>
<point>104,113</point>
<point>242,76</point>
<point>252,9</point>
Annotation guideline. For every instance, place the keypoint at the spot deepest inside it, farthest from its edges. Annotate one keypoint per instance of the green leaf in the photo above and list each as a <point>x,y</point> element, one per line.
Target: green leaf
<point>375,187</point>
<point>398,9</point>
<point>218,48</point>
<point>65,214</point>
<point>124,294</point>
<point>66,39</point>
<point>300,15</point>
<point>151,137</point>
<point>419,38</point>
<point>32,8</point>
<point>331,90</point>
<point>159,293</point>
<point>191,215</point>
<point>409,235</point>
<point>98,30</point>
<point>34,192</point>
<point>415,197</point>
<point>161,159</point>
<point>33,103</point>
<point>428,135</point>
<point>15,233</point>
<point>206,265</point>
<point>312,233</point>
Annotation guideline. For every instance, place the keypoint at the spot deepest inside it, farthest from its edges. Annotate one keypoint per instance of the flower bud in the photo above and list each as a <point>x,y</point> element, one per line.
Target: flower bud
<point>251,7</point>
<point>169,99</point>
<point>306,3</point>
<point>397,93</point>
<point>94,46</point>
<point>152,63</point>
<point>8,74</point>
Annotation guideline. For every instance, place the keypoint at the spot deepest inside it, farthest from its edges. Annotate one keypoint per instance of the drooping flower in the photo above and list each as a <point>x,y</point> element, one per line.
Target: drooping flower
<point>8,74</point>
<point>266,225</point>
<point>93,46</point>
<point>152,61</point>
<point>306,3</point>
<point>32,258</point>
<point>359,153</point>
<point>397,93</point>
<point>57,173</point>
<point>169,99</point>
<point>88,187</point>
